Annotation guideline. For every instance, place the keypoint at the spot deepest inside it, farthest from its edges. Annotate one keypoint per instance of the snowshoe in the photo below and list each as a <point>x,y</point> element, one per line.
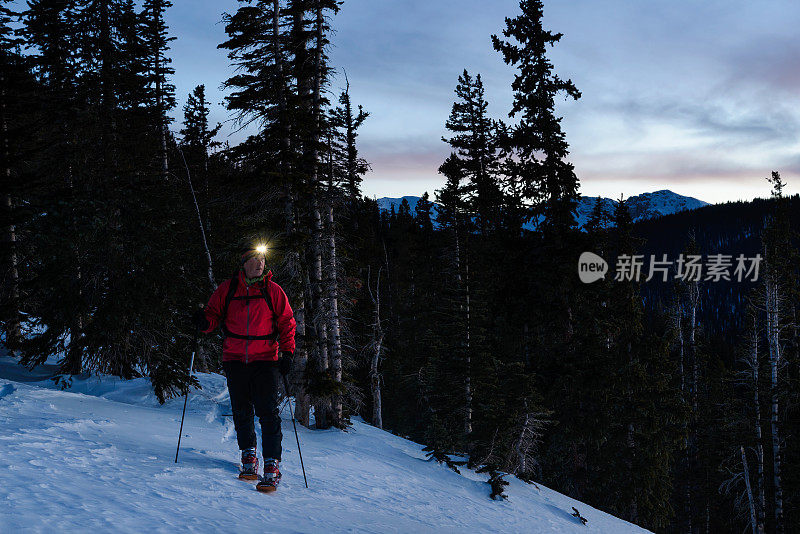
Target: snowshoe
<point>272,475</point>
<point>249,469</point>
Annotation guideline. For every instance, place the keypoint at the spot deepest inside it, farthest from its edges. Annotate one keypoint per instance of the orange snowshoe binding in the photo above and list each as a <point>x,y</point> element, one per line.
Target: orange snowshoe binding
<point>249,469</point>
<point>272,475</point>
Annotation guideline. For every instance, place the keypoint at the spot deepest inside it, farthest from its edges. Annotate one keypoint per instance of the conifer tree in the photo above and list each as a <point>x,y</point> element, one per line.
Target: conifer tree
<point>132,91</point>
<point>537,146</point>
<point>456,306</point>
<point>281,52</point>
<point>259,49</point>
<point>598,220</point>
<point>475,150</point>
<point>347,122</point>
<point>93,195</point>
<point>158,70</point>
<point>423,214</point>
<point>49,29</point>
<point>451,201</point>
<point>325,302</point>
<point>16,94</point>
<point>196,132</point>
<point>376,348</point>
<point>643,410</point>
<point>540,187</point>
<point>779,286</point>
<point>197,141</point>
<point>268,45</point>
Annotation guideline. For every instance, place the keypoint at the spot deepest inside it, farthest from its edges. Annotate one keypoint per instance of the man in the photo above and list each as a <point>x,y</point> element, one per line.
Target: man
<point>259,329</point>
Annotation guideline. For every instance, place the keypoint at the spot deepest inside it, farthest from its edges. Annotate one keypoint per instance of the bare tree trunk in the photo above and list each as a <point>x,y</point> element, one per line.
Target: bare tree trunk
<point>298,271</point>
<point>749,492</point>
<point>773,339</point>
<point>753,363</point>
<point>323,407</point>
<point>307,354</point>
<point>694,297</point>
<point>687,489</point>
<point>322,410</point>
<point>692,448</point>
<point>301,398</point>
<point>331,287</point>
<point>302,402</point>
<point>376,345</point>
<point>296,266</point>
<point>200,222</point>
<point>333,309</point>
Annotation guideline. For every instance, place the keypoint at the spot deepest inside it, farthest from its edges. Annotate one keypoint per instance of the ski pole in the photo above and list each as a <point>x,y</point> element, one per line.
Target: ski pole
<point>186,399</point>
<point>286,386</point>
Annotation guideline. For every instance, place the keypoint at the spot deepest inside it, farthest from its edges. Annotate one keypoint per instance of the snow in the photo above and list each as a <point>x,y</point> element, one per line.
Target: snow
<point>658,203</point>
<point>100,457</point>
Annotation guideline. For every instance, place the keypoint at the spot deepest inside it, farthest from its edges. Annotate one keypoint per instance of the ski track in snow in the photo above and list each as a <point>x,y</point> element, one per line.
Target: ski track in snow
<point>100,457</point>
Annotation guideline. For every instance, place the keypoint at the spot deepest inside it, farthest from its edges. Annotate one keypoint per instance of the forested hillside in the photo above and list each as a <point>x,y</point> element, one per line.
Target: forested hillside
<point>672,406</point>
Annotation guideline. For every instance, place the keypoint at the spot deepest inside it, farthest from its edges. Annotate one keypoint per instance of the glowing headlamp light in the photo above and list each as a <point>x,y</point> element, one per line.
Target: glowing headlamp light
<point>261,249</point>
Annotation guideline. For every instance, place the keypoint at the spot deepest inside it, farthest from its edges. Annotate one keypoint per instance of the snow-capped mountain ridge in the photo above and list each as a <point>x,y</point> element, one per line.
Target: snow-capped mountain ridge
<point>662,202</point>
<point>643,206</point>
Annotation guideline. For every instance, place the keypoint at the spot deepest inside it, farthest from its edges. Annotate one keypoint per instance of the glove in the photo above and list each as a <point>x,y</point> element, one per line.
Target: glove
<point>285,362</point>
<point>199,320</point>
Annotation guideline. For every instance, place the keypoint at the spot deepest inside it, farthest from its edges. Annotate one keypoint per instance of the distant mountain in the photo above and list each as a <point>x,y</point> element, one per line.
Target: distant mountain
<point>642,207</point>
<point>663,202</point>
<point>386,203</point>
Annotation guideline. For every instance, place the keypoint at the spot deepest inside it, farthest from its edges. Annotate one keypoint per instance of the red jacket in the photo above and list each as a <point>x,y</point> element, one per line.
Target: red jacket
<point>252,317</point>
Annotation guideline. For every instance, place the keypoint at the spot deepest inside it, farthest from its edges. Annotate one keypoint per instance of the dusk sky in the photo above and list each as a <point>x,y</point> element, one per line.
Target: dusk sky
<point>700,97</point>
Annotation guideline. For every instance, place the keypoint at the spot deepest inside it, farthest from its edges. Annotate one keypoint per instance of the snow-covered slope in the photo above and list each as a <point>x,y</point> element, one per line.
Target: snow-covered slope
<point>100,458</point>
<point>644,206</point>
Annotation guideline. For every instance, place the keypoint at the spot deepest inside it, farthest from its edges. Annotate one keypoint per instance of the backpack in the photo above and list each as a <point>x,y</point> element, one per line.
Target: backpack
<point>232,287</point>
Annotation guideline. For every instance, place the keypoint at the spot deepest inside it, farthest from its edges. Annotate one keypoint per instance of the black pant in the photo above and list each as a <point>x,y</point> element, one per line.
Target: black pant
<point>254,389</point>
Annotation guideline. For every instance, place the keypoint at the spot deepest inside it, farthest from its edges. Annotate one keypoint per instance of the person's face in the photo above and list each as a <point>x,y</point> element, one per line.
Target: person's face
<point>254,266</point>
